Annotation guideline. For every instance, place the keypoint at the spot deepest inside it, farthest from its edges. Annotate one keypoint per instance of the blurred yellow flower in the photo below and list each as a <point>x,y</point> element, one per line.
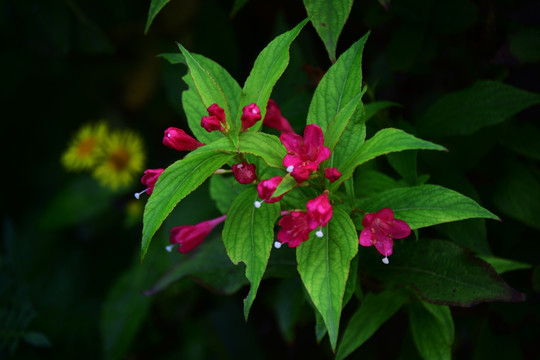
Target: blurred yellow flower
<point>85,149</point>
<point>122,159</point>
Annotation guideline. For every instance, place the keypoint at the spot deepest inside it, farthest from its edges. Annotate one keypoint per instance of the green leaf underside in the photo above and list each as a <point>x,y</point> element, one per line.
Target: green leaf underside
<point>425,205</point>
<point>374,310</point>
<point>341,83</point>
<point>287,184</point>
<point>266,146</point>
<point>383,142</point>
<point>485,103</point>
<point>432,329</point>
<point>248,236</point>
<point>442,273</point>
<point>155,8</point>
<point>174,184</point>
<point>323,264</point>
<point>328,18</point>
<point>208,87</point>
<point>267,69</point>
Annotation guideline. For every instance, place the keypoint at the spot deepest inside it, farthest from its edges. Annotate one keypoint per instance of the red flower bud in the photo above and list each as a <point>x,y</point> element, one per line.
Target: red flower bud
<point>332,174</point>
<point>191,236</point>
<point>178,139</point>
<point>273,118</point>
<point>250,115</point>
<point>215,120</point>
<point>244,173</point>
<point>267,187</point>
<point>149,179</point>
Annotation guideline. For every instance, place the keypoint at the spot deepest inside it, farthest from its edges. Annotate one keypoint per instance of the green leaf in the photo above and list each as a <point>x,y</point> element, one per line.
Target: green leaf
<point>432,328</point>
<point>210,265</point>
<point>504,265</point>
<point>155,8</point>
<point>328,18</point>
<point>405,165</point>
<point>223,190</point>
<point>248,236</point>
<point>469,234</point>
<point>441,272</point>
<point>266,146</point>
<point>323,265</point>
<point>268,68</point>
<point>374,310</point>
<point>426,205</point>
<point>209,85</point>
<point>373,108</point>
<point>383,142</point>
<point>522,139</point>
<point>339,123</point>
<point>341,83</point>
<point>485,103</point>
<point>174,184</point>
<point>37,339</point>
<point>287,184</point>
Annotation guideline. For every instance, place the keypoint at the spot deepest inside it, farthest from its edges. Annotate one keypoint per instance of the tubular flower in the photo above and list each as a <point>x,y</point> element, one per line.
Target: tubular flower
<point>266,188</point>
<point>294,228</point>
<point>273,118</point>
<point>332,174</point>
<point>304,154</point>
<point>250,115</point>
<point>215,120</point>
<point>191,236</point>
<point>380,229</point>
<point>149,179</point>
<point>319,211</point>
<point>244,173</point>
<point>178,139</point>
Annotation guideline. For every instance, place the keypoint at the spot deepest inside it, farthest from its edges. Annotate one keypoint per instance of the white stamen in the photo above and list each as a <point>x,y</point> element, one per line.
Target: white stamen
<point>239,166</point>
<point>169,248</point>
<point>319,233</point>
<point>290,168</point>
<point>168,134</point>
<point>137,195</point>
<point>254,110</point>
<point>257,204</point>
<point>277,244</point>
<point>385,260</point>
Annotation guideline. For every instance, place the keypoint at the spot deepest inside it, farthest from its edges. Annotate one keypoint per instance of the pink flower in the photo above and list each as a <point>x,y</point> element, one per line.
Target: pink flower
<point>274,119</point>
<point>332,174</point>
<point>178,139</point>
<point>149,179</point>
<point>319,211</point>
<point>294,228</point>
<point>380,229</point>
<point>266,188</point>
<point>244,173</point>
<point>304,154</point>
<point>250,115</point>
<point>215,120</point>
<point>191,236</point>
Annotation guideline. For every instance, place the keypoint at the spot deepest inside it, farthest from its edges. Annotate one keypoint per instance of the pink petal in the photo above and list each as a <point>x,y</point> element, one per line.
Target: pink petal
<point>313,135</point>
<point>385,214</point>
<point>385,246</point>
<point>367,220</point>
<point>292,142</point>
<point>399,229</point>
<point>366,237</point>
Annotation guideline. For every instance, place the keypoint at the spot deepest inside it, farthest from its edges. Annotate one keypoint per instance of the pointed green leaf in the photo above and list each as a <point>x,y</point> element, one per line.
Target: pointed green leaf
<point>266,146</point>
<point>155,8</point>
<point>174,184</point>
<point>485,103</point>
<point>328,18</point>
<point>504,265</point>
<point>339,123</point>
<point>341,83</point>
<point>209,87</point>
<point>441,272</point>
<point>287,184</point>
<point>323,265</point>
<point>248,236</point>
<point>383,142</point>
<point>268,68</point>
<point>432,328</point>
<point>372,313</point>
<point>426,205</point>
<point>223,190</point>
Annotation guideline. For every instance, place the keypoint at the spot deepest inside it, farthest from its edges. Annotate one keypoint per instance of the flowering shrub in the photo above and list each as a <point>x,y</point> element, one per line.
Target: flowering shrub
<point>299,190</point>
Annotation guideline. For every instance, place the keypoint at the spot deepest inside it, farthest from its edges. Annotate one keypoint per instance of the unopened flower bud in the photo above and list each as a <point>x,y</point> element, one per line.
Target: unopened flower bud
<point>250,115</point>
<point>244,173</point>
<point>178,139</point>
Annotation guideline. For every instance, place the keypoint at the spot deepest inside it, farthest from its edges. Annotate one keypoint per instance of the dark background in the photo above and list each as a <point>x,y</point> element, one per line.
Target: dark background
<point>69,249</point>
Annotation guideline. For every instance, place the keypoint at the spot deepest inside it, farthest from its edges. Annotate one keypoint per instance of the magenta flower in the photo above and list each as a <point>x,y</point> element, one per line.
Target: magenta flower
<point>273,118</point>
<point>215,120</point>
<point>250,115</point>
<point>319,211</point>
<point>380,229</point>
<point>304,154</point>
<point>244,173</point>
<point>294,228</point>
<point>149,179</point>
<point>332,174</point>
<point>191,236</point>
<point>178,139</point>
<point>266,189</point>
